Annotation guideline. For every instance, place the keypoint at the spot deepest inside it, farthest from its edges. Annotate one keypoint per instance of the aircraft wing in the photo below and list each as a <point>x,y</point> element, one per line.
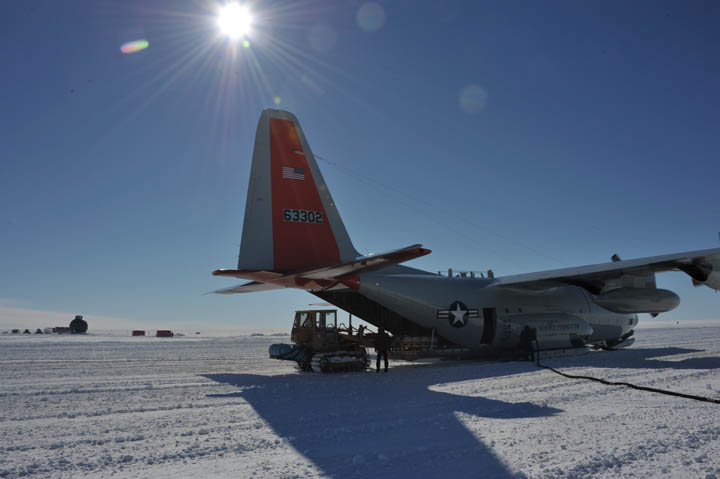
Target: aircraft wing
<point>702,266</point>
<point>321,278</point>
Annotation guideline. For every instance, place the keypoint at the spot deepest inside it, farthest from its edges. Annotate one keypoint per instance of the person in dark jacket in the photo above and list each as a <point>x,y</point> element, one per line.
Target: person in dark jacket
<point>527,336</point>
<point>382,344</point>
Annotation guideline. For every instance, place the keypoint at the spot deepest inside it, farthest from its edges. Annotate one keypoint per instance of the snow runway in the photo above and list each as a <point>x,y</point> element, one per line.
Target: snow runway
<point>103,405</point>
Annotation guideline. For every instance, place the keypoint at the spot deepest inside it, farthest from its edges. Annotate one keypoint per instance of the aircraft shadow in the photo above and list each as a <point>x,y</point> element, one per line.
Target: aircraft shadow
<point>645,358</point>
<point>385,425</point>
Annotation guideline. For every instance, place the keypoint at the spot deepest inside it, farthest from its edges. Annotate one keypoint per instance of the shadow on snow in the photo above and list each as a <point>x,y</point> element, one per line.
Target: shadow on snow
<point>396,425</point>
<point>385,425</point>
<point>646,358</point>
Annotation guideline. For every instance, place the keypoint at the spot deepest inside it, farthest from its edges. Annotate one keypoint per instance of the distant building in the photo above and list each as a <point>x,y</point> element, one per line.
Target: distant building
<point>78,325</point>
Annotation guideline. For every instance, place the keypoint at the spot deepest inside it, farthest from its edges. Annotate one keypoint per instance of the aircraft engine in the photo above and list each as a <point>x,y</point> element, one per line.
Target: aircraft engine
<point>713,279</point>
<point>554,330</point>
<point>637,300</point>
<point>707,274</point>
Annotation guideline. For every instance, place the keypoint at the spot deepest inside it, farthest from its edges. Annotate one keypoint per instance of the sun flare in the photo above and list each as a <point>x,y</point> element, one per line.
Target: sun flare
<point>234,20</point>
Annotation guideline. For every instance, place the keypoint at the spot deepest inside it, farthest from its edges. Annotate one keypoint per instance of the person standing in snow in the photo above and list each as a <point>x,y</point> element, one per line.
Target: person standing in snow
<point>527,336</point>
<point>382,344</point>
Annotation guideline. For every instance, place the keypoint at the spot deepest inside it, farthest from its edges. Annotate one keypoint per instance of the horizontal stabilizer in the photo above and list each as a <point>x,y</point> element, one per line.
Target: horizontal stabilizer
<point>326,277</point>
<point>248,274</point>
<point>250,287</point>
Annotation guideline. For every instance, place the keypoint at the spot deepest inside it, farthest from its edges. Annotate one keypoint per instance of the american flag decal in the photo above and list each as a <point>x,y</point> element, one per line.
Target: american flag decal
<point>293,173</point>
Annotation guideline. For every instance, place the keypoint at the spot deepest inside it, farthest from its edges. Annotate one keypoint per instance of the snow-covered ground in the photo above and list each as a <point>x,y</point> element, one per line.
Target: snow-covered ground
<point>104,405</point>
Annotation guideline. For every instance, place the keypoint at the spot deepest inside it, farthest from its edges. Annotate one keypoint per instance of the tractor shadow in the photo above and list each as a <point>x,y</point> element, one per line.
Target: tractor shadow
<point>386,425</point>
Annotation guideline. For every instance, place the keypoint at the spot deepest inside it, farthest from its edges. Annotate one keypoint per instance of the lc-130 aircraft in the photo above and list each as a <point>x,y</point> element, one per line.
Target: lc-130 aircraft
<point>293,237</point>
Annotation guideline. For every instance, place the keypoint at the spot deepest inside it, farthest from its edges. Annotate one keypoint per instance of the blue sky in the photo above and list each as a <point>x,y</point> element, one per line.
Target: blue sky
<point>517,136</point>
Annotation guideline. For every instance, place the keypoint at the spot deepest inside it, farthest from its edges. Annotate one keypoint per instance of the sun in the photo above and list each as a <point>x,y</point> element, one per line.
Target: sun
<point>234,20</point>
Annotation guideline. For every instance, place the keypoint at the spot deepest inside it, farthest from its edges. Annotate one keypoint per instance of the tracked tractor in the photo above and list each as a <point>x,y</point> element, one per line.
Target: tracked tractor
<point>323,345</point>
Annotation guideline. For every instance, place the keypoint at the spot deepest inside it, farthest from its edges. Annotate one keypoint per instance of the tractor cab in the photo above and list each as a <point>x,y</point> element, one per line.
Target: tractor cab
<point>316,327</point>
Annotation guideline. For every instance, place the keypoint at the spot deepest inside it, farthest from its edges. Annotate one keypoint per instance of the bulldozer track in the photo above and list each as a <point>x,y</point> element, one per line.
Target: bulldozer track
<point>339,361</point>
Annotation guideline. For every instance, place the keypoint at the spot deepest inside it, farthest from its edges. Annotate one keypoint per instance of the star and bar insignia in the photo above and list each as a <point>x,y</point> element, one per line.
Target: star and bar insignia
<point>458,314</point>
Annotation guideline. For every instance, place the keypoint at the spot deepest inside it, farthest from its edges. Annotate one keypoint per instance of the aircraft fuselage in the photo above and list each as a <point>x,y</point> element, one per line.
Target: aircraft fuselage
<point>472,313</point>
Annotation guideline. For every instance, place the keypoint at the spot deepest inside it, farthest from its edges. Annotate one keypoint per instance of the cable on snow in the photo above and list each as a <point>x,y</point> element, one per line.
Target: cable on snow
<point>620,383</point>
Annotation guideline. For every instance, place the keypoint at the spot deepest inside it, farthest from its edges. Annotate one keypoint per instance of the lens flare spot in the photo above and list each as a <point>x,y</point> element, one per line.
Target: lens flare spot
<point>371,17</point>
<point>134,46</point>
<point>246,44</point>
<point>277,100</point>
<point>473,99</point>
<point>234,20</point>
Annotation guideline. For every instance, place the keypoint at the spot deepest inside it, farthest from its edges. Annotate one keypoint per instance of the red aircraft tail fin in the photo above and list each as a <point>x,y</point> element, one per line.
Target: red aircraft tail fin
<point>291,221</point>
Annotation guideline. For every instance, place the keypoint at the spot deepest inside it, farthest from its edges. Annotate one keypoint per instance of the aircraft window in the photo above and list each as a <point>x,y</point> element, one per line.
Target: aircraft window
<point>320,321</point>
<point>306,321</point>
